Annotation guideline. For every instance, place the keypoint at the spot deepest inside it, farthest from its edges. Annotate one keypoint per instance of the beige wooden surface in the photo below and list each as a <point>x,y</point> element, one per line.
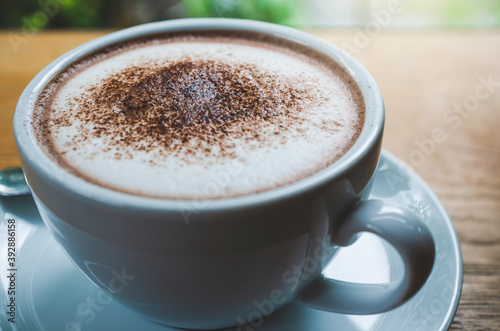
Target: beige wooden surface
<point>424,76</point>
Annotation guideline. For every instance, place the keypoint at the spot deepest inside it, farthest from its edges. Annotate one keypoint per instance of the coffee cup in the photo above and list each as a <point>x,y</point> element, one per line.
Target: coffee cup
<point>222,262</point>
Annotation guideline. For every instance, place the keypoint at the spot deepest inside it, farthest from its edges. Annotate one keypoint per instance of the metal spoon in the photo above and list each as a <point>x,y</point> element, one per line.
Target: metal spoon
<point>12,182</point>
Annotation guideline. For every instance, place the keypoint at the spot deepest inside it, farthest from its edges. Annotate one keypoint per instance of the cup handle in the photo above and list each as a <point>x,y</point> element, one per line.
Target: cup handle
<point>401,228</point>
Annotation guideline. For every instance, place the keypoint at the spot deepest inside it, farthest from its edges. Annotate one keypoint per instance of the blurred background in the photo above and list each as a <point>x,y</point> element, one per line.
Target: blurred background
<point>34,15</point>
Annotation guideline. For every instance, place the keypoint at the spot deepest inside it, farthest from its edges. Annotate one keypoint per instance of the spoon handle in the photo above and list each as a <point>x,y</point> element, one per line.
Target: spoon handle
<point>13,183</point>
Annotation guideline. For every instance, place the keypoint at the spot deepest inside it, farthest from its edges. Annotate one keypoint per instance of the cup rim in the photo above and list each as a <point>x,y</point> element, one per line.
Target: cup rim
<point>33,154</point>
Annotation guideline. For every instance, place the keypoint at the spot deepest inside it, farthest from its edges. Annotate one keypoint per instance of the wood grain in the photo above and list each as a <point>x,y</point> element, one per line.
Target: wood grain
<point>422,75</point>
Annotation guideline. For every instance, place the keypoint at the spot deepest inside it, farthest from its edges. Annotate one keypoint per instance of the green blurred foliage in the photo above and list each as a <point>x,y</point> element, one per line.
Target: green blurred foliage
<point>456,13</point>
<point>276,11</point>
<point>54,13</point>
<point>476,13</point>
<point>37,14</point>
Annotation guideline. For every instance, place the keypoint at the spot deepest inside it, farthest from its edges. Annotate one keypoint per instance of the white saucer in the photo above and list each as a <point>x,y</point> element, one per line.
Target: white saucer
<point>52,294</point>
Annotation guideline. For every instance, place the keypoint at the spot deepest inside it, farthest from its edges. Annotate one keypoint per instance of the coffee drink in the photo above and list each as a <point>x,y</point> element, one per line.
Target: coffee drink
<point>189,115</point>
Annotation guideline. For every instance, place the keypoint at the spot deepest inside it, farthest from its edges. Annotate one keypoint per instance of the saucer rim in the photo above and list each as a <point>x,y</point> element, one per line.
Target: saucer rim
<point>445,218</point>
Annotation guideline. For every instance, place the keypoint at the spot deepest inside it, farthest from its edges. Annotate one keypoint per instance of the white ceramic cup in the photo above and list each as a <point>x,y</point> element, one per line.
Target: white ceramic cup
<point>220,263</point>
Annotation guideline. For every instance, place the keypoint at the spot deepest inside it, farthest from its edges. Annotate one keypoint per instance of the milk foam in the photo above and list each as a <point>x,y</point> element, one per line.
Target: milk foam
<point>329,123</point>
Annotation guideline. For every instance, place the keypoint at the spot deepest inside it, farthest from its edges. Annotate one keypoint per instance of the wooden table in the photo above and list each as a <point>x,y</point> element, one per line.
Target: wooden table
<point>424,76</point>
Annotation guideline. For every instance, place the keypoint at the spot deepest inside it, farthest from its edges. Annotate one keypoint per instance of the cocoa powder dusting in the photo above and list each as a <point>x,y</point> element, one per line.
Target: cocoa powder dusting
<point>189,106</point>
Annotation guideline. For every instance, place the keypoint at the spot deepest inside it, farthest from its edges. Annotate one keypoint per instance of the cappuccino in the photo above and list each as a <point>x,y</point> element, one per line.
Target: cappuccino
<point>190,115</point>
